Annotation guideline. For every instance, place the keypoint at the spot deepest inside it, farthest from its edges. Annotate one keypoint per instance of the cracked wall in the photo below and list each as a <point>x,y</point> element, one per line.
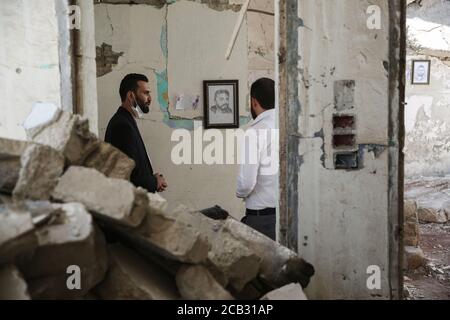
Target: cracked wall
<point>427,144</point>
<point>178,46</point>
<point>342,214</point>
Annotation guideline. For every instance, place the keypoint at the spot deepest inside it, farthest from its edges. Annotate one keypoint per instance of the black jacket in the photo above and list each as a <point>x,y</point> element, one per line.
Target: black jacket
<point>123,133</point>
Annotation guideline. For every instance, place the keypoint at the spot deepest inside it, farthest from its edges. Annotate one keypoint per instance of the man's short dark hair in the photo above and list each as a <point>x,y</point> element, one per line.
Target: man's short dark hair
<point>263,90</point>
<point>130,83</point>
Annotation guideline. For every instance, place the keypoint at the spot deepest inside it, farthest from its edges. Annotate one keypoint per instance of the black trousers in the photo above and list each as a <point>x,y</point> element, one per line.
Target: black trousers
<point>264,222</point>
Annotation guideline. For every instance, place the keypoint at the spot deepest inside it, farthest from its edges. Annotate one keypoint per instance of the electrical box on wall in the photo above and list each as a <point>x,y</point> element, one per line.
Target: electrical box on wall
<point>344,142</point>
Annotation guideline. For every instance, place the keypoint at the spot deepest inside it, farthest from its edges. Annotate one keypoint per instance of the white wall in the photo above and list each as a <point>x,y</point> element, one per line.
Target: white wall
<point>29,62</point>
<point>177,47</point>
<point>343,215</point>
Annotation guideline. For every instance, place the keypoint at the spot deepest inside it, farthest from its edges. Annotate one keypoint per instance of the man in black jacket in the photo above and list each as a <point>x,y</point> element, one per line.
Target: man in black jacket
<point>123,132</point>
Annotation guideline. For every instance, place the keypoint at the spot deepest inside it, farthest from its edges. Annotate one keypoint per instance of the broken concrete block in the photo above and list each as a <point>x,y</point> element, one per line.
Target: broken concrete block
<point>12,284</point>
<point>110,161</point>
<point>29,171</point>
<point>434,207</point>
<point>130,277</point>
<point>432,215</point>
<point>279,265</point>
<point>107,198</point>
<point>232,261</point>
<point>229,260</point>
<point>410,209</point>
<point>197,283</point>
<point>41,167</point>
<point>413,258</point>
<point>411,233</point>
<point>291,291</point>
<point>411,224</point>
<point>10,153</point>
<point>70,238</point>
<point>16,234</point>
<point>70,135</point>
<point>172,235</point>
<point>157,202</point>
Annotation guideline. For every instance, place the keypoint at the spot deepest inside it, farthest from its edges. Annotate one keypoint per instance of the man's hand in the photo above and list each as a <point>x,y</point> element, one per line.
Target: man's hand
<point>162,184</point>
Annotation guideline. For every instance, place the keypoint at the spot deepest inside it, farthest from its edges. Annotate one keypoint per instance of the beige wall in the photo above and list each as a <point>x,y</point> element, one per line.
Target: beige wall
<point>187,40</point>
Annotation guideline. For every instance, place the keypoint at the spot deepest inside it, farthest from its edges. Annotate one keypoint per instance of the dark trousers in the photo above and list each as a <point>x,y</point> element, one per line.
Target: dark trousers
<point>263,221</point>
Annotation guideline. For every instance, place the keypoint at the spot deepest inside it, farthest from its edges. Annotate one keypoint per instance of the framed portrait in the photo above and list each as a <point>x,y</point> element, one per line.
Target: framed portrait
<point>221,104</point>
<point>421,72</point>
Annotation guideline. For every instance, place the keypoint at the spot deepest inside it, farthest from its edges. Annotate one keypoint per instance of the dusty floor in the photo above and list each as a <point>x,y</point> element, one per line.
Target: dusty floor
<point>432,282</point>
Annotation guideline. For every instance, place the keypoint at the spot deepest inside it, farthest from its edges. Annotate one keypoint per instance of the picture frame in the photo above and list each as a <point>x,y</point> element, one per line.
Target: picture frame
<point>221,104</point>
<point>421,72</point>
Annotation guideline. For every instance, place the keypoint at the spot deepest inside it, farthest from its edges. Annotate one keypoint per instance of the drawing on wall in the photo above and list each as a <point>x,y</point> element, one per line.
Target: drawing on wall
<point>221,104</point>
<point>421,72</point>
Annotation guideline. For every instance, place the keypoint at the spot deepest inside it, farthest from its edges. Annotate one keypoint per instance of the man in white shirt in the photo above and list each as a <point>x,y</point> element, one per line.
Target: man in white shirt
<point>258,173</point>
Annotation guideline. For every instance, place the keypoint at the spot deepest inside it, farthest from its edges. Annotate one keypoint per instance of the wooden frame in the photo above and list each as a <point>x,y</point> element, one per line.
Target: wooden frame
<point>225,116</point>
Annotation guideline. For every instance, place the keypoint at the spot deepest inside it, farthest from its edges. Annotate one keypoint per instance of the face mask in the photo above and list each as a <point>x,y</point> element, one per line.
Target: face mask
<point>139,113</point>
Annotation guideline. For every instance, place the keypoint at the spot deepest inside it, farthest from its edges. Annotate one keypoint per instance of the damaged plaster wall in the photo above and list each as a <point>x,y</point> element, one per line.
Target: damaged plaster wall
<point>427,145</point>
<point>343,214</point>
<point>178,46</point>
<point>29,61</point>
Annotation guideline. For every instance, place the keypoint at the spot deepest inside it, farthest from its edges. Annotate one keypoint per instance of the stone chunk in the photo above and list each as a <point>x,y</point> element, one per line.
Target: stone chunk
<point>108,198</point>
<point>27,170</point>
<point>279,265</point>
<point>197,283</point>
<point>70,135</point>
<point>41,167</point>
<point>130,277</point>
<point>69,238</point>
<point>12,284</point>
<point>172,235</point>
<point>414,258</point>
<point>291,291</point>
<point>16,234</point>
<point>110,161</point>
<point>10,153</point>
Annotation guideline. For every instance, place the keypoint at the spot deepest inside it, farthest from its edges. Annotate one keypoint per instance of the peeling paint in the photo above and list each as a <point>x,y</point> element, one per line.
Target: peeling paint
<point>106,58</point>
<point>219,5</point>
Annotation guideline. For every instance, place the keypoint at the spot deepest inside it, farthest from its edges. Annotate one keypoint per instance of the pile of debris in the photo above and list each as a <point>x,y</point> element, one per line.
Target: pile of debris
<point>427,201</point>
<point>67,209</point>
<point>432,196</point>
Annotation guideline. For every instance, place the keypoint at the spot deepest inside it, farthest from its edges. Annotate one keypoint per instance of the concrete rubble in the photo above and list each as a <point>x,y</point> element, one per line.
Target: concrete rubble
<point>291,291</point>
<point>432,196</point>
<point>411,235</point>
<point>74,227</point>
<point>70,135</point>
<point>131,277</point>
<point>413,254</point>
<point>28,170</point>
<point>197,283</point>
<point>12,284</point>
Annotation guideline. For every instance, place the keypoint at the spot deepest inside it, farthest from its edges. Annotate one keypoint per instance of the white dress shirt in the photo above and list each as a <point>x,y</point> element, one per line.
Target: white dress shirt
<point>258,172</point>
